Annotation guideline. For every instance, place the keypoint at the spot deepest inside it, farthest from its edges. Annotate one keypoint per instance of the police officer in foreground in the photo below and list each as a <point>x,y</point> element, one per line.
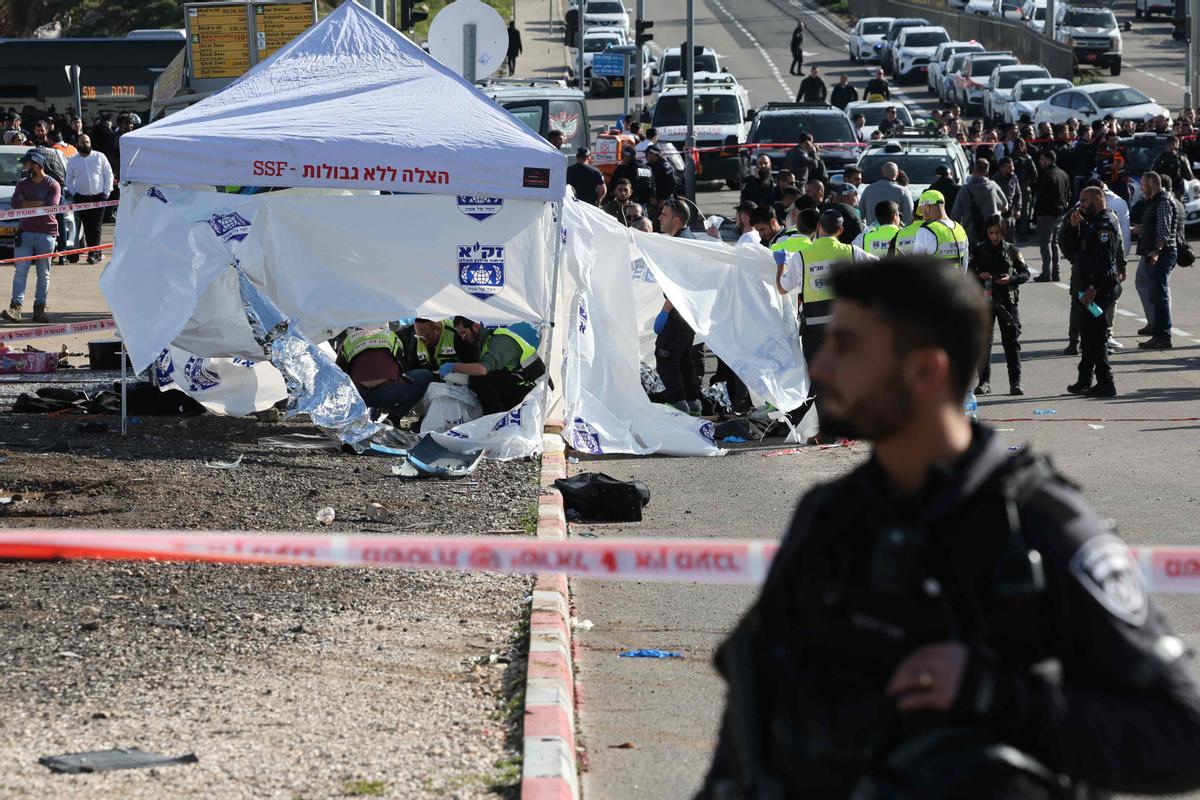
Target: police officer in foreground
<point>1092,235</point>
<point>1000,268</point>
<point>507,368</point>
<point>947,620</point>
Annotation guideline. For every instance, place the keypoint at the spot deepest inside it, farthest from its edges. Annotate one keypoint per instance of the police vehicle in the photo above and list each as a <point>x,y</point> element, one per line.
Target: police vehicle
<point>866,33</point>
<point>721,117</point>
<point>913,50</point>
<point>783,123</point>
<point>1093,35</point>
<point>704,59</point>
<point>918,156</point>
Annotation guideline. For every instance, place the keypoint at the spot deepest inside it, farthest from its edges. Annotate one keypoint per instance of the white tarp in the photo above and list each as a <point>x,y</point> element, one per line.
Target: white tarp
<point>350,103</point>
<point>236,387</point>
<point>328,262</point>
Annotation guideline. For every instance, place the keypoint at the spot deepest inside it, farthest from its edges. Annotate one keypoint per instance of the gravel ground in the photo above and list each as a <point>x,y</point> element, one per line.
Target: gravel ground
<point>285,682</point>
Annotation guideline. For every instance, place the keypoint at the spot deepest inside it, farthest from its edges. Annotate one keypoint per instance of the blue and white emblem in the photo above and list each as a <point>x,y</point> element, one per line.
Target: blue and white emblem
<point>708,431</point>
<point>157,194</point>
<point>198,377</point>
<point>479,207</point>
<point>583,316</point>
<point>481,269</point>
<point>164,369</point>
<point>585,438</point>
<point>231,226</point>
<point>511,418</point>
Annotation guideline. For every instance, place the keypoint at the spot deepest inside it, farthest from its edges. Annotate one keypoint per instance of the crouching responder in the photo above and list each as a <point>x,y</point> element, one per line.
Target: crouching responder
<point>507,368</point>
<point>429,343</point>
<point>372,359</point>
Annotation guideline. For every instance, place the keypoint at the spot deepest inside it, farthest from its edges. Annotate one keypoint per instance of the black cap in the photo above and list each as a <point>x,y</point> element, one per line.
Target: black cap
<point>653,149</point>
<point>746,205</point>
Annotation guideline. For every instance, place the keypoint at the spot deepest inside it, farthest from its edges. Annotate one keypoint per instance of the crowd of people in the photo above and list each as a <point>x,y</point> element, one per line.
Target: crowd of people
<point>65,163</point>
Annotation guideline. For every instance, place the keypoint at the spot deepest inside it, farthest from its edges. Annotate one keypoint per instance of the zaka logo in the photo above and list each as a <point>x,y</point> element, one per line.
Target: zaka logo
<point>566,122</point>
<point>164,369</point>
<point>585,438</point>
<point>708,431</point>
<point>243,362</point>
<point>641,272</point>
<point>478,207</point>
<point>481,269</point>
<point>511,418</point>
<point>456,435</point>
<point>777,351</point>
<point>230,227</point>
<point>583,316</point>
<point>198,377</point>
<point>157,194</point>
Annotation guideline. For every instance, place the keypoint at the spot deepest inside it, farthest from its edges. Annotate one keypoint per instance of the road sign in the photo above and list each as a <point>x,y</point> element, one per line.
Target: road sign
<point>225,39</point>
<point>276,24</point>
<point>608,64</point>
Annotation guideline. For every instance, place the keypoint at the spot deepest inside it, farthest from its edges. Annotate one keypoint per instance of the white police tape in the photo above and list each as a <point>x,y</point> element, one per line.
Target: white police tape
<point>41,211</point>
<point>745,561</point>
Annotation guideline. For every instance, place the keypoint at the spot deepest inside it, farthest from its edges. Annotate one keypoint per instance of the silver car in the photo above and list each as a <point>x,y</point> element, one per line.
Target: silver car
<point>937,66</point>
<point>866,33</point>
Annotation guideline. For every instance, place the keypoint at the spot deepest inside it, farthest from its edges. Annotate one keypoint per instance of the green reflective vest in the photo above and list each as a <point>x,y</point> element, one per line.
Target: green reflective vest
<point>794,242</point>
<point>820,256</point>
<point>906,237</point>
<point>529,354</point>
<point>878,240</point>
<point>372,339</point>
<point>951,242</point>
<point>446,351</point>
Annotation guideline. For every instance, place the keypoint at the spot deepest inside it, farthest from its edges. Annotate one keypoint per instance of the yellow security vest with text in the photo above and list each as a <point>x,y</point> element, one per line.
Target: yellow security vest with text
<point>818,259</point>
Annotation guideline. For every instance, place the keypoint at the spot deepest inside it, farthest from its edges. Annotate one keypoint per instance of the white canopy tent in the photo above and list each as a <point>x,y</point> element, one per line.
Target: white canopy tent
<point>483,238</point>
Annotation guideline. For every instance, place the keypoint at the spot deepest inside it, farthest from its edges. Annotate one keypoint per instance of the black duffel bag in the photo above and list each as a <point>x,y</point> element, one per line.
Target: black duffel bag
<point>602,498</point>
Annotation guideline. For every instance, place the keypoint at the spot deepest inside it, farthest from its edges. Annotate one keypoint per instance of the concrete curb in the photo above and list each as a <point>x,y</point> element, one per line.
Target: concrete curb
<point>549,770</point>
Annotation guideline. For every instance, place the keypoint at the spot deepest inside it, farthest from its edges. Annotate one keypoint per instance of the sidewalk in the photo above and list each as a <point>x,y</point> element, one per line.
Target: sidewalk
<point>545,53</point>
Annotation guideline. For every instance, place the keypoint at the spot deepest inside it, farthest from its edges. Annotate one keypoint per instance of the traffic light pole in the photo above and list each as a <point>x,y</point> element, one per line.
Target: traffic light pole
<point>689,144</point>
<point>1192,95</point>
<point>641,65</point>
<point>579,44</point>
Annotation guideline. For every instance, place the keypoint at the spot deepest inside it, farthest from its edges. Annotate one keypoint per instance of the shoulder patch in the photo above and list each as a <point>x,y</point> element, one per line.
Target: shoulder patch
<point>1106,568</point>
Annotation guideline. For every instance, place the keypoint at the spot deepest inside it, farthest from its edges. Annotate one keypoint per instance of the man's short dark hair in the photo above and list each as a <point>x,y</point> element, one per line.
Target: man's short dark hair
<point>807,219</point>
<point>982,167</point>
<point>831,222</point>
<point>623,182</point>
<point>680,209</point>
<point>926,304</point>
<point>463,322</point>
<point>651,132</point>
<point>785,173</point>
<point>762,215</point>
<point>851,170</point>
<point>791,192</point>
<point>1050,156</point>
<point>886,212</point>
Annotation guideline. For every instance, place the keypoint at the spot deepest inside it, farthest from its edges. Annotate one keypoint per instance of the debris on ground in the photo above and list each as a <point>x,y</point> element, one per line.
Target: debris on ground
<point>650,653</point>
<point>106,760</point>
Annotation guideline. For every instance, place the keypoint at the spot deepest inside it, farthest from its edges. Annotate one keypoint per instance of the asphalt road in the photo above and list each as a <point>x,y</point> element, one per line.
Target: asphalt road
<point>1133,459</point>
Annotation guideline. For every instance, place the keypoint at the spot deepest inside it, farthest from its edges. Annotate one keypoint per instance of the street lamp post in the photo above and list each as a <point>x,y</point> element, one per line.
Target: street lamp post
<point>689,144</point>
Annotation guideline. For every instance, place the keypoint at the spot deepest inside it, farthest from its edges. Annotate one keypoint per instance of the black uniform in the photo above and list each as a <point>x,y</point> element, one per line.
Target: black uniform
<point>676,356</point>
<point>1097,247</point>
<point>1071,662</point>
<point>996,261</point>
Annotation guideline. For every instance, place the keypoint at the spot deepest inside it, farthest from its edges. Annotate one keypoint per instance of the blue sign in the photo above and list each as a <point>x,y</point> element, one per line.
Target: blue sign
<point>611,64</point>
<point>481,269</point>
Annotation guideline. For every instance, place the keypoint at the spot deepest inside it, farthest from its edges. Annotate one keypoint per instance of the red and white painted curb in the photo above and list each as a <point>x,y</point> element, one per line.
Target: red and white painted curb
<point>549,770</point>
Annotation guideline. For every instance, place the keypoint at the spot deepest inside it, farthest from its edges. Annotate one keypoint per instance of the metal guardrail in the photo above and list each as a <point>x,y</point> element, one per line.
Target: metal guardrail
<point>996,34</point>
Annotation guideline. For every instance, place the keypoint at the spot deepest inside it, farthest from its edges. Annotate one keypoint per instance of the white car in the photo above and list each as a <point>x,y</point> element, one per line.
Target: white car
<point>974,79</point>
<point>865,34</point>
<point>606,14</point>
<point>1006,9</point>
<point>914,49</point>
<point>10,173</point>
<point>950,73</point>
<point>596,40</point>
<point>706,60</point>
<point>941,56</point>
<point>1033,13</point>
<point>721,119</point>
<point>673,80</point>
<point>1097,100</point>
<point>919,157</point>
<point>1002,83</point>
<point>1142,9</point>
<point>982,8</point>
<point>1027,95</point>
<point>873,114</point>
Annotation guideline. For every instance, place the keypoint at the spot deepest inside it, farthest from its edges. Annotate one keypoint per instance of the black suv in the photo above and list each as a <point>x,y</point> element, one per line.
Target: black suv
<point>782,123</point>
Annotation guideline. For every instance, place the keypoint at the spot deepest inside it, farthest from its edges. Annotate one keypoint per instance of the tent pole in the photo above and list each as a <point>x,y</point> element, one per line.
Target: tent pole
<point>548,327</point>
<point>124,372</point>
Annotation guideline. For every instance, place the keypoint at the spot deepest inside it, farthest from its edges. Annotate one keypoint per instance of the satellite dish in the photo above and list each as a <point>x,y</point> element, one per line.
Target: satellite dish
<point>448,38</point>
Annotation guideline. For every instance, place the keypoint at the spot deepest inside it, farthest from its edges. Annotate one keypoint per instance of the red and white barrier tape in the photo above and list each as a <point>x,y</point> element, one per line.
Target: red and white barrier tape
<point>58,253</point>
<point>41,211</point>
<point>43,331</point>
<point>1167,569</point>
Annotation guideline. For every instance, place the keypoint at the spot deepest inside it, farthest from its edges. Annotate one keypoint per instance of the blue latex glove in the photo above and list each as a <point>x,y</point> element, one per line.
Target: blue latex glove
<point>446,369</point>
<point>660,321</point>
<point>780,257</point>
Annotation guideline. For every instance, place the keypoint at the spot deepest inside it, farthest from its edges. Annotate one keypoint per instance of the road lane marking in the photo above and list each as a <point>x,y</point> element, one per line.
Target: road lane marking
<point>762,51</point>
<point>1177,332</point>
<point>1062,286</point>
<point>1125,313</point>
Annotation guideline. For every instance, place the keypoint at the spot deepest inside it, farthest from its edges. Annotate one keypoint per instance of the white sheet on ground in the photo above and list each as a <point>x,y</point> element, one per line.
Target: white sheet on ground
<point>236,387</point>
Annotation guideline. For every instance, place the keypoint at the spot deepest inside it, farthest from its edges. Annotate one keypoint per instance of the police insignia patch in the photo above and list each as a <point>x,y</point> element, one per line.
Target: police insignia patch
<point>1104,237</point>
<point>1109,572</point>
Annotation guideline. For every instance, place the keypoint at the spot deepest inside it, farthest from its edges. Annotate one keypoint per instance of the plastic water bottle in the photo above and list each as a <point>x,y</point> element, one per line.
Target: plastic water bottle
<point>970,405</point>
